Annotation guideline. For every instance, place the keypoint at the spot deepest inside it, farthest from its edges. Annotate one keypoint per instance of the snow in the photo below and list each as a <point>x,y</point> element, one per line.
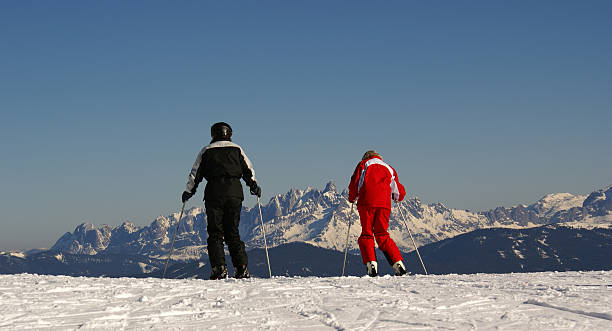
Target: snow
<point>545,301</point>
<point>16,254</point>
<point>590,223</point>
<point>553,203</point>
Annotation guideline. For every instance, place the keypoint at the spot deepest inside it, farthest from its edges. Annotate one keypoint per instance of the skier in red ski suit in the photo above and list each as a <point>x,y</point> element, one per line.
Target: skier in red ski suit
<point>373,184</point>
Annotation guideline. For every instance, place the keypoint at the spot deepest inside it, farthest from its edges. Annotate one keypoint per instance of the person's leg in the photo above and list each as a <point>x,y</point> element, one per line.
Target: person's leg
<point>231,220</point>
<point>366,240</point>
<point>385,243</point>
<point>214,227</point>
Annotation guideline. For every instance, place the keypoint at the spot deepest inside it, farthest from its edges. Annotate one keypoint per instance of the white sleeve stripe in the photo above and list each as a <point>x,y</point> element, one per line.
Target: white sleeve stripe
<point>249,164</point>
<point>394,188</point>
<point>194,171</point>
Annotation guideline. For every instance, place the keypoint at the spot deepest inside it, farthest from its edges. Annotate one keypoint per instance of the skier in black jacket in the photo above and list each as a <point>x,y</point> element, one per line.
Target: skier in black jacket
<point>223,163</point>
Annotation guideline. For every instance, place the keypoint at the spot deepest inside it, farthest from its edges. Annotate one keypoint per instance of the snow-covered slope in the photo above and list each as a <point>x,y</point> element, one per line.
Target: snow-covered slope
<point>528,301</point>
<point>321,217</point>
<point>551,204</point>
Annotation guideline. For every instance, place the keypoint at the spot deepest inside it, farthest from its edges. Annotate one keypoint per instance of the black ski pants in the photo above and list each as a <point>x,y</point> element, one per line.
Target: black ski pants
<point>223,217</point>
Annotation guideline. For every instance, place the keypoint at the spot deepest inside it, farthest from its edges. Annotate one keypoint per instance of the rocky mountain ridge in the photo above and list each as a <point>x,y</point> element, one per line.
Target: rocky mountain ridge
<point>321,218</point>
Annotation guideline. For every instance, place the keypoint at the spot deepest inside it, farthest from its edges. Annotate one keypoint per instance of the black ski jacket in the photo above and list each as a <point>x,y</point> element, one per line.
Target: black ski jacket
<point>222,163</point>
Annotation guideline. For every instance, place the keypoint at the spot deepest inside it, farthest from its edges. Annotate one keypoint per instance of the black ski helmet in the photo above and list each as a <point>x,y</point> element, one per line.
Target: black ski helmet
<point>221,131</point>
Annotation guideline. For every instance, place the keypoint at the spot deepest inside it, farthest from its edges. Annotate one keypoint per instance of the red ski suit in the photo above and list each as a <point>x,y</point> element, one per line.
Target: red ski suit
<point>373,184</point>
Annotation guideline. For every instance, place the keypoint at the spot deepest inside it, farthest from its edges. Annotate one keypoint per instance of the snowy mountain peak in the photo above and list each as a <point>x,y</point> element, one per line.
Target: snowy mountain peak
<point>551,204</point>
<point>556,196</point>
<point>84,227</point>
<point>128,227</point>
<point>599,202</point>
<point>330,187</point>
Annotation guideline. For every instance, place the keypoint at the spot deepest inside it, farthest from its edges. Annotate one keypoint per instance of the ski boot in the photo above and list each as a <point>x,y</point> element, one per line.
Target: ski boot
<point>372,267</point>
<point>400,270</point>
<point>241,272</point>
<point>219,272</point>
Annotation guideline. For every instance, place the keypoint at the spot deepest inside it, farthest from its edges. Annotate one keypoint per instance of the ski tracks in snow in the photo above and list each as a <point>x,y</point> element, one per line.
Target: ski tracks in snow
<point>557,301</point>
<point>605,316</point>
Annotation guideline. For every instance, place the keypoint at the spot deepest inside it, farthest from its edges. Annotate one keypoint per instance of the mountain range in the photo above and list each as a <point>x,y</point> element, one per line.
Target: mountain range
<point>306,231</point>
<point>321,218</point>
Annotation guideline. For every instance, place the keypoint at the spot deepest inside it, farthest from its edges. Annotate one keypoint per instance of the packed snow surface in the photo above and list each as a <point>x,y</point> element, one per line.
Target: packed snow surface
<point>536,301</point>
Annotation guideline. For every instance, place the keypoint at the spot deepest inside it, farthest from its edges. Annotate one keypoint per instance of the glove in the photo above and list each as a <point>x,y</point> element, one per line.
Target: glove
<point>256,190</point>
<point>186,196</point>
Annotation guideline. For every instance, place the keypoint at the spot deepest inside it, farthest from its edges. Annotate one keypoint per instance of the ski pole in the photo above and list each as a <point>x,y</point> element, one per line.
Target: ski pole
<point>264,236</point>
<point>411,238</point>
<point>173,238</point>
<point>347,238</point>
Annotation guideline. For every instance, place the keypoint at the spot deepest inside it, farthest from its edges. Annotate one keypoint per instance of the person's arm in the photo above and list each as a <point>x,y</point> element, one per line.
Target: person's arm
<point>195,176</point>
<point>401,191</point>
<point>248,174</point>
<point>354,184</point>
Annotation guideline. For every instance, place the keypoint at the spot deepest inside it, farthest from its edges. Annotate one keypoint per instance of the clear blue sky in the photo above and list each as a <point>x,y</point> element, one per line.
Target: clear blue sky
<point>105,104</point>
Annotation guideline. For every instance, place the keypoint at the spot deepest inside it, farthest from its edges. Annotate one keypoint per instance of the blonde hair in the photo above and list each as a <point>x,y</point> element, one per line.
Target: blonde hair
<point>369,154</point>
